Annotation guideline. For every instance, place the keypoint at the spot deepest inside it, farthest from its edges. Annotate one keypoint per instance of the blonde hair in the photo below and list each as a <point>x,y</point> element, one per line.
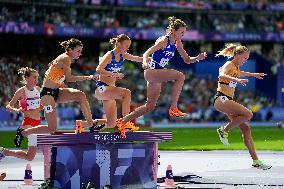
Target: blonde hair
<point>70,44</point>
<point>231,50</point>
<point>119,38</point>
<point>26,72</point>
<point>175,24</point>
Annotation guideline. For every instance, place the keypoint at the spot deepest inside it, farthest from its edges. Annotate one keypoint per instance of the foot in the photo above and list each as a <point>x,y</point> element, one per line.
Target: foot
<point>175,112</point>
<point>19,137</point>
<point>121,128</point>
<point>223,135</point>
<point>96,127</point>
<point>129,126</point>
<point>260,165</point>
<point>79,126</point>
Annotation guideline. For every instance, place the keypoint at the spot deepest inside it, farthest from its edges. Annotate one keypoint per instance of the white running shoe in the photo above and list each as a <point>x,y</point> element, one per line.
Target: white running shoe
<point>223,136</point>
<point>260,165</point>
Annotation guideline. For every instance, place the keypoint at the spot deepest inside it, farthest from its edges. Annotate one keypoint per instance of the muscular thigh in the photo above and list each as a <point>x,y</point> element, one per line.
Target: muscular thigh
<point>161,75</point>
<point>68,95</point>
<point>230,107</point>
<point>111,93</point>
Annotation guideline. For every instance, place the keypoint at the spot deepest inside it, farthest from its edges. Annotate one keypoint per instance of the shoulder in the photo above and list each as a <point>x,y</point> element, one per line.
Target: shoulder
<point>21,91</point>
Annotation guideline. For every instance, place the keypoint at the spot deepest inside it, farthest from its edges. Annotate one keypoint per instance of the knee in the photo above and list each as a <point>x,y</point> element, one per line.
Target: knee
<point>245,129</point>
<point>52,129</point>
<point>150,107</point>
<point>30,158</point>
<point>248,115</point>
<point>81,96</point>
<point>181,76</point>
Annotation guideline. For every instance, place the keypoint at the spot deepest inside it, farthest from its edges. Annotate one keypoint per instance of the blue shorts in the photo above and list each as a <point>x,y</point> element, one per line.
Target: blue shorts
<point>101,86</point>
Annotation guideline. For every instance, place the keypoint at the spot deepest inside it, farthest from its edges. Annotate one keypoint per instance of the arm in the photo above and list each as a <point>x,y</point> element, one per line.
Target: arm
<point>17,96</point>
<point>133,58</point>
<point>256,75</point>
<point>67,71</point>
<point>160,44</point>
<point>187,59</point>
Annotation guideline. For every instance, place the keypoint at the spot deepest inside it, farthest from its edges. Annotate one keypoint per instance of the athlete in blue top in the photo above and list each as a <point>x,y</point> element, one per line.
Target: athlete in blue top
<point>163,50</point>
<point>109,71</point>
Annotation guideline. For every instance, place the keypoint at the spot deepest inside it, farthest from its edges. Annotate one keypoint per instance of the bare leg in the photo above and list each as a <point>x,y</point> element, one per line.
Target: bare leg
<point>74,95</point>
<point>111,112</point>
<point>51,118</point>
<point>27,155</point>
<point>248,141</point>
<point>153,93</point>
<point>239,113</point>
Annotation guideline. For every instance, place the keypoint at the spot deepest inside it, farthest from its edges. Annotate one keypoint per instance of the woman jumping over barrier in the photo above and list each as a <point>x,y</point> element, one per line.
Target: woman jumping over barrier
<point>229,77</point>
<point>109,71</point>
<point>156,72</point>
<point>53,93</point>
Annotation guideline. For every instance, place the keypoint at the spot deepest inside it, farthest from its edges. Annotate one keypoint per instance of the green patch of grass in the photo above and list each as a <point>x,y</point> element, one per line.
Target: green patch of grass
<point>265,138</point>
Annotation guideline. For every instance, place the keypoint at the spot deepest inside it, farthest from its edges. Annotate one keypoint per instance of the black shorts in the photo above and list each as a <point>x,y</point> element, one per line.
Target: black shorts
<point>51,92</point>
<point>218,94</point>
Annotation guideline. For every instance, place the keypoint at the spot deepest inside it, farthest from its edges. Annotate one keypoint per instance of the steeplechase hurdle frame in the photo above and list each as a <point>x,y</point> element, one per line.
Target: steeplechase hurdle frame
<point>104,158</point>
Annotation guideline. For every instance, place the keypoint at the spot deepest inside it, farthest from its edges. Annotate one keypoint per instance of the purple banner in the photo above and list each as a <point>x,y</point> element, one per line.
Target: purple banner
<point>20,28</point>
<point>134,33</point>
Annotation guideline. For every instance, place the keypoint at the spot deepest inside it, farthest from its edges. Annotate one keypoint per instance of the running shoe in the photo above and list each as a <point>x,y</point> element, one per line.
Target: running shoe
<point>260,165</point>
<point>19,137</point>
<point>175,112</point>
<point>223,135</point>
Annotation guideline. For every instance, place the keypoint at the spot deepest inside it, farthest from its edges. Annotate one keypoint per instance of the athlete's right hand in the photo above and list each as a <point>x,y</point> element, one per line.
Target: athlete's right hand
<point>19,110</point>
<point>145,66</point>
<point>118,75</point>
<point>242,81</point>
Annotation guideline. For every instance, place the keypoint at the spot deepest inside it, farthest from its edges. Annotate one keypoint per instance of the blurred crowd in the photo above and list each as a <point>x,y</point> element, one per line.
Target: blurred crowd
<point>109,16</point>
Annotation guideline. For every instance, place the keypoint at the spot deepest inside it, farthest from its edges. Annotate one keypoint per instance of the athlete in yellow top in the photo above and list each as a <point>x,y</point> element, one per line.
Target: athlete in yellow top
<point>229,77</point>
<point>54,92</point>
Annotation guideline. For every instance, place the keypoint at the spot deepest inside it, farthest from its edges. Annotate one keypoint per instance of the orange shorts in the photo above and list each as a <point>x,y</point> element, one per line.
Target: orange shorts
<point>29,121</point>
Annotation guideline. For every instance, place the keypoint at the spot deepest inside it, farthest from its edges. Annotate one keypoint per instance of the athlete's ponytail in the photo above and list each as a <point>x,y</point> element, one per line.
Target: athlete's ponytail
<point>26,72</point>
<point>231,50</point>
<point>119,38</point>
<point>175,24</point>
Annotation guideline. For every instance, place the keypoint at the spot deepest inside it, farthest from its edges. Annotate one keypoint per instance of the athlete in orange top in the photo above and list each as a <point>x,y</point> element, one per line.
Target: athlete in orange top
<point>53,93</point>
<point>229,77</point>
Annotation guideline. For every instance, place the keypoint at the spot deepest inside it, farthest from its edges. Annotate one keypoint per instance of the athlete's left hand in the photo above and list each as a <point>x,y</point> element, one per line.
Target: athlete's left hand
<point>259,75</point>
<point>201,56</point>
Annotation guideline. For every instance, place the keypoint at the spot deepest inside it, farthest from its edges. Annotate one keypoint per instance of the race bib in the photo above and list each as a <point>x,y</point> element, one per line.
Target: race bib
<point>233,84</point>
<point>163,62</point>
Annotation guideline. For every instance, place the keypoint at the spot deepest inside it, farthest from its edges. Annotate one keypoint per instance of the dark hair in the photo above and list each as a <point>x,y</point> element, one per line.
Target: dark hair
<point>26,72</point>
<point>119,38</point>
<point>71,44</point>
<point>175,24</point>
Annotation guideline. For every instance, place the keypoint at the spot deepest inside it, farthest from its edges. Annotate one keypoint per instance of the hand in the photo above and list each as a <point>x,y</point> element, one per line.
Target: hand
<point>118,75</point>
<point>201,56</point>
<point>95,77</point>
<point>145,66</point>
<point>19,110</point>
<point>259,75</point>
<point>92,77</point>
<point>242,81</point>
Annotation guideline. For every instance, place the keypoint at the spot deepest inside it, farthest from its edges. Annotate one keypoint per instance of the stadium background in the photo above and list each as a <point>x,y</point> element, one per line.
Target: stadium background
<point>30,32</point>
